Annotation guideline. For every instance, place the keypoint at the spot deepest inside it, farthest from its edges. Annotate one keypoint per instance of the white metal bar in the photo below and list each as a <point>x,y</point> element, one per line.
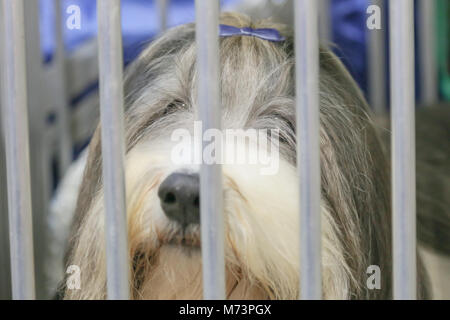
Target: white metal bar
<point>403,148</point>
<point>5,262</point>
<point>64,140</point>
<point>39,104</point>
<point>211,210</point>
<point>376,56</point>
<point>162,10</point>
<point>325,21</point>
<point>307,93</point>
<point>113,146</point>
<point>427,56</point>
<point>15,117</point>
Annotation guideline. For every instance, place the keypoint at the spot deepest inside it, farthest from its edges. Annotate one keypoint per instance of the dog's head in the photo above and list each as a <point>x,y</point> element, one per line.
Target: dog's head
<point>257,148</point>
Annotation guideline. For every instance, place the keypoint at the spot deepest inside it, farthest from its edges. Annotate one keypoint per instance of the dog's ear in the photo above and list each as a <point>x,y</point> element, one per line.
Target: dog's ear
<point>144,70</point>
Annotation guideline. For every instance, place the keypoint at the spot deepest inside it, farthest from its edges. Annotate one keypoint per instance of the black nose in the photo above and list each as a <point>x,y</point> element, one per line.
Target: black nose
<point>179,194</point>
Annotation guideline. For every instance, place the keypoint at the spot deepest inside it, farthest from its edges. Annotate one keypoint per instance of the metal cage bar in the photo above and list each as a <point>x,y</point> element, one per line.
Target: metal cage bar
<point>376,56</point>
<point>307,104</point>
<point>113,147</point>
<point>403,148</point>
<point>163,10</point>
<point>212,224</point>
<point>325,28</point>
<point>15,117</point>
<point>5,262</point>
<point>65,140</point>
<point>39,103</point>
<point>427,52</point>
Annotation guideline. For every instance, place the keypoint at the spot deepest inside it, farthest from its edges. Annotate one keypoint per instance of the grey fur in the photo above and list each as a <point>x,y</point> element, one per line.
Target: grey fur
<point>258,92</point>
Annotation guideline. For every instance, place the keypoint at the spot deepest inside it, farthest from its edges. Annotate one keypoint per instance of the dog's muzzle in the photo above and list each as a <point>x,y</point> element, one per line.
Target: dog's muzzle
<point>180,199</point>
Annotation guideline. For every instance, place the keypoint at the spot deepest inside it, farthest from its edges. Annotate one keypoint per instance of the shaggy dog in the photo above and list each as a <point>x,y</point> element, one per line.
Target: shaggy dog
<point>261,211</point>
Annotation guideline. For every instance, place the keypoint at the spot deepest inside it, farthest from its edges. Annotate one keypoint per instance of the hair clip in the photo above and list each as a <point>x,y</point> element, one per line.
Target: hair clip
<point>265,33</point>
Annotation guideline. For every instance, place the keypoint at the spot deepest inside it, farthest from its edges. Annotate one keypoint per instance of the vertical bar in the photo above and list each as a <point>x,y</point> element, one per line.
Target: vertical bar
<point>403,148</point>
<point>65,139</point>
<point>15,117</point>
<point>427,47</point>
<point>38,105</point>
<point>376,56</point>
<point>113,146</point>
<point>5,261</point>
<point>162,10</point>
<point>325,30</point>
<point>307,93</point>
<point>211,210</point>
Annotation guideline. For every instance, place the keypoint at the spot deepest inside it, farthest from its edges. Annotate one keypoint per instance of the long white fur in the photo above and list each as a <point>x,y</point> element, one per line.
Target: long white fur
<point>262,238</point>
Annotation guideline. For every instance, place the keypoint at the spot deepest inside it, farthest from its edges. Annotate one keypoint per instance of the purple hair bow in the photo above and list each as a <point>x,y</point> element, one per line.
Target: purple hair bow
<point>266,34</point>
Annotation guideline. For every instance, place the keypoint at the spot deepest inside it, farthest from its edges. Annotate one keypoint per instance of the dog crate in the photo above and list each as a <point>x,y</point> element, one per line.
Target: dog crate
<point>20,84</point>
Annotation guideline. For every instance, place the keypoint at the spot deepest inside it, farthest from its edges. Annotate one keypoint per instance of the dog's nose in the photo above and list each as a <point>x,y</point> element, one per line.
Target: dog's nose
<point>179,194</point>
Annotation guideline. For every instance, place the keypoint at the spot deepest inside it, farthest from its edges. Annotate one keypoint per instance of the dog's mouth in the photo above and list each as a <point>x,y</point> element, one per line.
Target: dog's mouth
<point>182,238</point>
